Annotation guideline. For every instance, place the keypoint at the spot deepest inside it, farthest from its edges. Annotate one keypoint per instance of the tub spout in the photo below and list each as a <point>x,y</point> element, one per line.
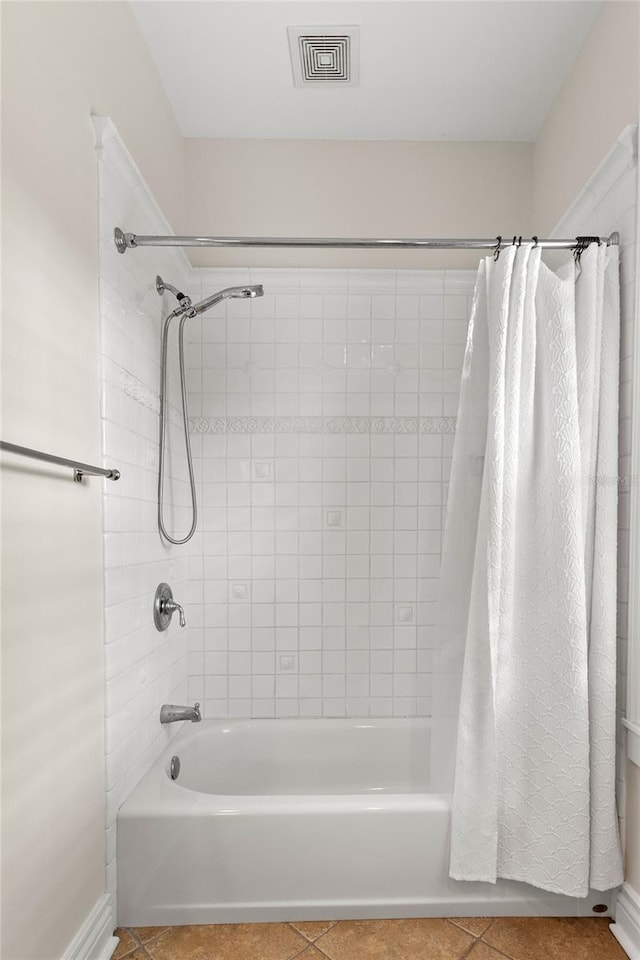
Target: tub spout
<point>169,713</point>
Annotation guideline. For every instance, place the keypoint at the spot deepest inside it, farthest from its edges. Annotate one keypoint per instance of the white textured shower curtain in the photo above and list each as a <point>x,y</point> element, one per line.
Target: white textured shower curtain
<point>529,576</point>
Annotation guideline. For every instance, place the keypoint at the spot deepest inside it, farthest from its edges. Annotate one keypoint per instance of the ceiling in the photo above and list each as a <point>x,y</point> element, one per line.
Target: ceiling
<point>447,70</point>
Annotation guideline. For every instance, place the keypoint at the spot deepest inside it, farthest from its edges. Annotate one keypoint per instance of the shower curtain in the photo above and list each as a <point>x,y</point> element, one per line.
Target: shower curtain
<point>528,602</point>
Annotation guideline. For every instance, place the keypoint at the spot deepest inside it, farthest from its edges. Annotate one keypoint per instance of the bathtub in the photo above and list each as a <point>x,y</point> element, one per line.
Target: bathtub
<point>300,819</point>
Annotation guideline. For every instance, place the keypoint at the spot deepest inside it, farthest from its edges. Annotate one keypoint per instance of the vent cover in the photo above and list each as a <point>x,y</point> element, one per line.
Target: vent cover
<point>324,56</point>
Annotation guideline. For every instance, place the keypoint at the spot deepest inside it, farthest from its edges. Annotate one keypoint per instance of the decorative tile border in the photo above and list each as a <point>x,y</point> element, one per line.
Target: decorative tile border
<point>359,425</point>
<point>143,394</point>
<point>139,391</point>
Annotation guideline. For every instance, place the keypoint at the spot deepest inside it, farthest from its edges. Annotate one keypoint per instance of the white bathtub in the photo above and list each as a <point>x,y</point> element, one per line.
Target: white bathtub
<point>300,819</point>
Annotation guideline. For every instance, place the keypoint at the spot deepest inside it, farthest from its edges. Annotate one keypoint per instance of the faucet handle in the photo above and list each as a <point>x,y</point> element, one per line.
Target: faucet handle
<point>164,606</point>
<point>171,606</point>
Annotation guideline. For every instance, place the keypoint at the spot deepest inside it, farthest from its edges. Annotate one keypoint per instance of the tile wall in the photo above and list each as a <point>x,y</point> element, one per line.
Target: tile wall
<point>144,668</point>
<point>322,416</point>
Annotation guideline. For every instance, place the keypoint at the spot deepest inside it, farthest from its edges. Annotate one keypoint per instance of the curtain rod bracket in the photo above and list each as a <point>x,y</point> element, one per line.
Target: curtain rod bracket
<point>123,240</point>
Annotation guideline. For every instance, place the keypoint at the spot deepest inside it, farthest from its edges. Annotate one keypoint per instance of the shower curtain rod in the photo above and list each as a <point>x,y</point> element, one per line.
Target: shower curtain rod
<point>125,241</point>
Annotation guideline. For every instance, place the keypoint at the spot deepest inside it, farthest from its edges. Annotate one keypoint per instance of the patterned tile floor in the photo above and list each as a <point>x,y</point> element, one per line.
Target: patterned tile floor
<point>465,938</point>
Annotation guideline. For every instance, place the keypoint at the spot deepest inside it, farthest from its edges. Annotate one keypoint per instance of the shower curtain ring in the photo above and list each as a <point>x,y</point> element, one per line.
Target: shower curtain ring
<point>498,248</point>
<point>535,241</point>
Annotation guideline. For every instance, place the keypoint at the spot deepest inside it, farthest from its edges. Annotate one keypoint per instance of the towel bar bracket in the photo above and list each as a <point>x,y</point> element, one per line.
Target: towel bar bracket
<point>79,468</point>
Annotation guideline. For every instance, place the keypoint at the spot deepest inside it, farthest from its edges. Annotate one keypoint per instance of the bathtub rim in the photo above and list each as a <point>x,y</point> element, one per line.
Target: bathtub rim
<point>156,793</point>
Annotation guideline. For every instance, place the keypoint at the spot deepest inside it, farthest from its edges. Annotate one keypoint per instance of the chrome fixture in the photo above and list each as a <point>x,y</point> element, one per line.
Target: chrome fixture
<point>185,310</point>
<point>241,293</point>
<point>164,607</point>
<point>170,713</point>
<point>174,768</point>
<point>79,469</point>
<point>162,285</point>
<point>126,241</point>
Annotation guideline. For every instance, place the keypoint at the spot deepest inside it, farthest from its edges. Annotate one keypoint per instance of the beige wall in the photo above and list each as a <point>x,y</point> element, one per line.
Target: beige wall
<point>60,63</point>
<point>599,99</point>
<point>354,188</point>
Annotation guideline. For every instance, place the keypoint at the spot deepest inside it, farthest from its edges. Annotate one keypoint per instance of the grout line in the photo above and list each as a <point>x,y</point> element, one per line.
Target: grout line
<point>500,952</point>
<point>136,942</point>
<point>335,923</point>
<point>458,926</point>
<point>507,956</point>
<point>131,930</point>
<point>300,952</point>
<point>331,924</point>
<point>300,933</point>
<point>151,939</point>
<point>138,946</point>
<point>493,920</point>
<point>306,946</point>
<point>471,947</point>
<point>497,952</point>
<point>320,950</point>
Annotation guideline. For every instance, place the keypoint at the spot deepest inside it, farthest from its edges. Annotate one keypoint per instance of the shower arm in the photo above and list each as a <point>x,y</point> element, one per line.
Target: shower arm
<point>125,241</point>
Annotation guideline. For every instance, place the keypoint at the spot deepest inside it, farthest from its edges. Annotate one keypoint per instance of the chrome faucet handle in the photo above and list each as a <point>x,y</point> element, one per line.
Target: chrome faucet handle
<point>171,606</point>
<point>164,607</point>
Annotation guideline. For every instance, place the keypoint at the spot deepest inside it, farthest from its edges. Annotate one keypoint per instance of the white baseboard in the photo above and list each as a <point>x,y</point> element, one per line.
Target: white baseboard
<point>626,928</point>
<point>95,940</point>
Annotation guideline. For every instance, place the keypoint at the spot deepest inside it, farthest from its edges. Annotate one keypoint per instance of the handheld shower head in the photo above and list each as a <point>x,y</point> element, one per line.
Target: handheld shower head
<point>253,290</point>
<point>186,308</point>
<point>242,293</point>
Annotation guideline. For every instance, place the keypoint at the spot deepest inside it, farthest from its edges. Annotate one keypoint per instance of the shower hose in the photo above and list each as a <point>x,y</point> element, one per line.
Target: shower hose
<point>164,411</point>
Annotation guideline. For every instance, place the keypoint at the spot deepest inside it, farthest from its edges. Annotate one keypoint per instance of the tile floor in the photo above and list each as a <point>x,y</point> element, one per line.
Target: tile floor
<point>464,938</point>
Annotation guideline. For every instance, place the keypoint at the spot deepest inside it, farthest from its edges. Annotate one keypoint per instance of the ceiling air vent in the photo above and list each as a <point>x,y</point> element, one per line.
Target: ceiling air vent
<point>323,56</point>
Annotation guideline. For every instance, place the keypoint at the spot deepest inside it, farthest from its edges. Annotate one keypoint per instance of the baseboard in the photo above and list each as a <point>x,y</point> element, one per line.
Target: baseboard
<point>95,940</point>
<point>626,928</point>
